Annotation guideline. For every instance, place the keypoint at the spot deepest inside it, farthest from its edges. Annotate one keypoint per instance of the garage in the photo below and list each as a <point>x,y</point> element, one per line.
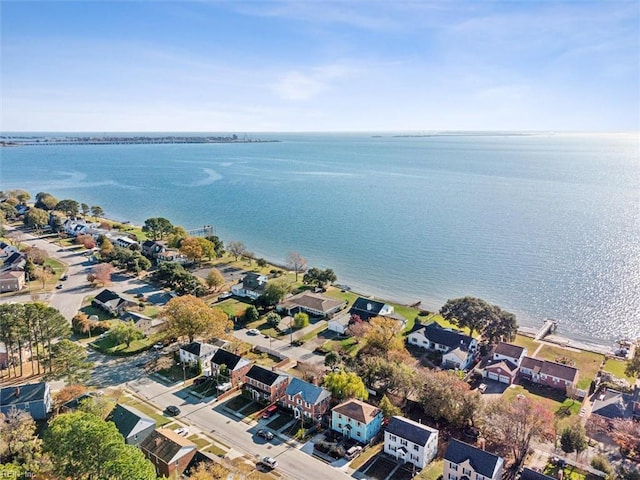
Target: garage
<point>504,379</point>
<point>493,376</point>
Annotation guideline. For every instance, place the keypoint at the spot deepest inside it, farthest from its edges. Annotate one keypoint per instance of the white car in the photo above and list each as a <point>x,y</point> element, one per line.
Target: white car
<point>224,295</point>
<point>482,388</point>
<point>184,431</point>
<point>270,462</point>
<point>158,346</point>
<point>253,331</point>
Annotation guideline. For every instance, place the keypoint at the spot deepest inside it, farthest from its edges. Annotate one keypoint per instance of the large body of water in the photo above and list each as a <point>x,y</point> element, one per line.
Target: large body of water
<point>542,225</point>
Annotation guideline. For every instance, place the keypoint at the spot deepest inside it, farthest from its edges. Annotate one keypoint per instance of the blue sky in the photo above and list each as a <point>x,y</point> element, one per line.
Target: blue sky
<point>229,66</point>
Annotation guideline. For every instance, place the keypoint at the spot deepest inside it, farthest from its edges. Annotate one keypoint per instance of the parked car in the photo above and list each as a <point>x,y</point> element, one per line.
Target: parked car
<point>223,387</point>
<point>184,431</point>
<point>253,331</point>
<point>224,295</point>
<point>59,287</point>
<point>173,410</point>
<point>266,434</point>
<point>269,411</point>
<point>270,462</point>
<point>158,346</point>
<point>63,278</point>
<point>482,388</point>
<point>353,452</point>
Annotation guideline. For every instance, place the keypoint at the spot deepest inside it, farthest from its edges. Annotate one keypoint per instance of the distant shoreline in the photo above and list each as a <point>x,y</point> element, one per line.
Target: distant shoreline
<point>124,140</point>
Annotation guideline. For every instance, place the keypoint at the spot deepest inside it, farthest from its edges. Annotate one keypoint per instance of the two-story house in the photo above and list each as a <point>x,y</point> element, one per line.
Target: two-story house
<point>357,420</point>
<point>410,442</point>
<point>252,286</point>
<point>169,452</point>
<point>12,281</point>
<point>466,462</point>
<point>33,398</point>
<point>264,384</point>
<point>306,399</point>
<point>612,405</point>
<point>198,352</point>
<point>132,424</point>
<point>229,367</point>
<point>504,363</point>
<point>457,348</point>
<point>551,374</point>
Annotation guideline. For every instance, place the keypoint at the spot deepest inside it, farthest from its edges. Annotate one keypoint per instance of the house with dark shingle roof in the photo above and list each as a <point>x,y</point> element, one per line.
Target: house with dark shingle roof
<point>132,424</point>
<point>510,352</point>
<point>33,398</point>
<point>198,352</point>
<point>306,399</point>
<point>457,348</point>
<point>315,304</point>
<point>466,462</point>
<point>169,452</point>
<point>252,286</point>
<point>366,308</point>
<point>528,474</point>
<point>15,261</point>
<point>147,324</point>
<point>551,374</point>
<point>410,442</point>
<point>265,384</point>
<point>357,420</point>
<point>112,302</point>
<point>235,367</point>
<point>612,404</point>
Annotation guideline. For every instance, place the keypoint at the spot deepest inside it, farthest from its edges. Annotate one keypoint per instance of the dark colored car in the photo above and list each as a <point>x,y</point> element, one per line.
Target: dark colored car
<point>173,410</point>
<point>63,278</point>
<point>266,434</point>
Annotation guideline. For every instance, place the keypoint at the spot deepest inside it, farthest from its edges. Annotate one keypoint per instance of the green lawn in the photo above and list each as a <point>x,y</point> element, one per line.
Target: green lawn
<point>587,362</point>
<point>279,422</point>
<point>366,455</point>
<point>554,402</point>
<point>232,307</point>
<point>432,472</point>
<point>526,342</point>
<point>616,367</point>
<point>262,359</point>
<point>199,441</point>
<point>348,345</point>
<point>313,333</point>
<point>237,403</point>
<point>108,345</point>
<point>146,409</point>
<point>98,312</point>
<point>569,473</point>
<point>215,450</point>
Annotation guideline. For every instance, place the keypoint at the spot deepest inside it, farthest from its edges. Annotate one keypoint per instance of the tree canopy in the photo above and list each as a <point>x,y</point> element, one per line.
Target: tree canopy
<point>69,207</point>
<point>189,316</point>
<point>478,315</point>
<point>36,218</point>
<point>296,263</point>
<point>237,249</point>
<point>68,361</point>
<point>343,385</point>
<point>157,227</point>
<point>316,276</point>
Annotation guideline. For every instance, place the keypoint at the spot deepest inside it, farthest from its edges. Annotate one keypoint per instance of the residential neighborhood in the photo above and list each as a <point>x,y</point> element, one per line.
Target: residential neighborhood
<point>231,364</point>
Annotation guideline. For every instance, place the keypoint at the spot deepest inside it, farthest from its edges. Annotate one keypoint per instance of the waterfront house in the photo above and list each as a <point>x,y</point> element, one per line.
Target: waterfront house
<point>169,452</point>
<point>410,442</point>
<point>504,363</point>
<point>315,304</point>
<point>551,374</point>
<point>357,420</point>
<point>73,227</point>
<point>611,405</point>
<point>112,302</point>
<point>510,352</point>
<point>152,248</point>
<point>306,399</point>
<point>366,308</point>
<point>12,281</point>
<point>125,242</point>
<point>265,384</point>
<point>252,286</point>
<point>339,323</point>
<point>466,462</point>
<point>198,352</point>
<point>34,398</point>
<point>457,348</point>
<point>133,425</point>
<point>171,255</point>
<point>234,366</point>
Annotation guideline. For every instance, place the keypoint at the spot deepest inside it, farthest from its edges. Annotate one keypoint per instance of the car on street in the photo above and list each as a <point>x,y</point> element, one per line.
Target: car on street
<point>266,434</point>
<point>63,278</point>
<point>269,462</point>
<point>184,431</point>
<point>223,387</point>
<point>59,286</point>
<point>253,331</point>
<point>172,410</point>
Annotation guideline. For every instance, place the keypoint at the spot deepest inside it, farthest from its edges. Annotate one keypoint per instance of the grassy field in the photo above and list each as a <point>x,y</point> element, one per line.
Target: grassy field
<point>526,342</point>
<point>199,441</point>
<point>555,403</point>
<point>161,420</point>
<point>232,307</point>
<point>262,359</point>
<point>108,345</point>
<point>569,473</point>
<point>366,455</point>
<point>348,345</point>
<point>215,450</point>
<point>432,472</point>
<point>587,362</point>
<point>616,367</point>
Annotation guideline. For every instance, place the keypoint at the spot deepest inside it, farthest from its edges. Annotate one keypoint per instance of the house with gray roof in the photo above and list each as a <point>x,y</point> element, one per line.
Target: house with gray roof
<point>457,349</point>
<point>410,442</point>
<point>252,286</point>
<point>198,352</point>
<point>134,425</point>
<point>612,404</point>
<point>33,398</point>
<point>112,302</point>
<point>306,399</point>
<point>315,304</point>
<point>466,462</point>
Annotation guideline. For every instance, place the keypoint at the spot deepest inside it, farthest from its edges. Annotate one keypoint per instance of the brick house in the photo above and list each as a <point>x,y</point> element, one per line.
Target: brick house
<point>169,452</point>
<point>551,374</point>
<point>264,384</point>
<point>306,399</point>
<point>236,366</point>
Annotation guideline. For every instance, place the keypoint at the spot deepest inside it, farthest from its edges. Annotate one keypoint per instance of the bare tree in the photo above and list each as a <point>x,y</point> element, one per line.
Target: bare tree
<point>296,263</point>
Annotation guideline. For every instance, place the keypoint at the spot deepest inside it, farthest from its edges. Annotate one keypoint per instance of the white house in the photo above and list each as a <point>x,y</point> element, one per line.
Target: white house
<point>252,286</point>
<point>457,348</point>
<point>339,323</point>
<point>196,352</point>
<point>73,227</point>
<point>410,441</point>
<point>466,462</point>
<point>508,351</point>
<point>504,363</point>
<point>124,242</point>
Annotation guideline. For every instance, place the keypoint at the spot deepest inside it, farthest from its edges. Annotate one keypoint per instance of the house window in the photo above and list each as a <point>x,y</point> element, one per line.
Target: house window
<point>416,448</point>
<point>339,415</point>
<point>454,466</point>
<point>392,438</point>
<point>452,477</point>
<point>290,398</point>
<point>403,443</point>
<point>299,402</point>
<point>358,433</point>
<point>466,472</point>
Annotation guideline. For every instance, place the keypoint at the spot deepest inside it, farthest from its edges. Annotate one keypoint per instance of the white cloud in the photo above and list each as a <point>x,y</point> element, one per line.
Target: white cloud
<point>298,86</point>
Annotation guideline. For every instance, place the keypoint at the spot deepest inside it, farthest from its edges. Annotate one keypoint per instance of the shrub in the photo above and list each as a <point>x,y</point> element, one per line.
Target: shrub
<point>600,462</point>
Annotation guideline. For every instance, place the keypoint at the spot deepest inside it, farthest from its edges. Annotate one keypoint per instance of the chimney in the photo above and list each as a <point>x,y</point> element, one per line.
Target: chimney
<point>158,441</point>
<point>369,306</point>
<point>481,443</point>
<point>16,392</point>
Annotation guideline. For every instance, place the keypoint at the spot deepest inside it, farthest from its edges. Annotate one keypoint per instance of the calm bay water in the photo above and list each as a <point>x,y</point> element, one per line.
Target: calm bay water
<point>542,225</point>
